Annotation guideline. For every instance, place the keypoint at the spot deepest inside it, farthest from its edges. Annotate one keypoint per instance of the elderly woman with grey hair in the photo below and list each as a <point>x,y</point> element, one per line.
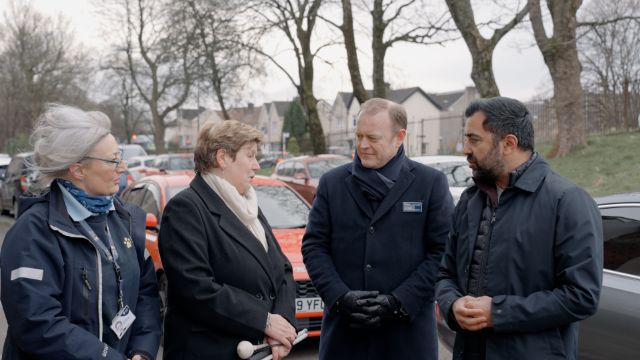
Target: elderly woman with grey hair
<point>77,282</point>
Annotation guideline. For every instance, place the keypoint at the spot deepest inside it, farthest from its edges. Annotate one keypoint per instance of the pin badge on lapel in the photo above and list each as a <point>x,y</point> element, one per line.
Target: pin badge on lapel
<point>412,206</point>
<point>127,241</point>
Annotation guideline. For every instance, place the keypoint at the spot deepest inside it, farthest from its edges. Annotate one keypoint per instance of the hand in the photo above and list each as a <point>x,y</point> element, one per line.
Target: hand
<point>468,315</point>
<point>279,329</point>
<point>137,357</point>
<point>360,308</point>
<point>389,307</point>
<point>277,350</point>
<point>483,303</point>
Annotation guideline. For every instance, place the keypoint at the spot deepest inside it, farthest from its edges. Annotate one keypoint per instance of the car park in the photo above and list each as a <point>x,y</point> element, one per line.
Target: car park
<point>303,173</point>
<point>174,164</point>
<point>612,333</point>
<point>17,181</point>
<point>285,210</point>
<point>456,168</point>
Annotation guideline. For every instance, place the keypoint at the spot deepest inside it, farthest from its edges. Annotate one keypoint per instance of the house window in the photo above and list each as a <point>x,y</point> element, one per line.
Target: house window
<point>425,148</point>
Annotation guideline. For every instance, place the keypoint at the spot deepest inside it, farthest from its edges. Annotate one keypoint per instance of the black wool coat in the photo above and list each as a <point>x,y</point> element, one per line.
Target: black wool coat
<point>221,281</point>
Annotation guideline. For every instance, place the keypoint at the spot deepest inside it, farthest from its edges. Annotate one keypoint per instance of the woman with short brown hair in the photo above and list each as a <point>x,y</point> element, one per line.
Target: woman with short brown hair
<point>228,278</point>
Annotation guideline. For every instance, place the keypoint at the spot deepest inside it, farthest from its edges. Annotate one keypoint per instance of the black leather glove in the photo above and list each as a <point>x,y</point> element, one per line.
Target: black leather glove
<point>388,307</point>
<point>359,308</point>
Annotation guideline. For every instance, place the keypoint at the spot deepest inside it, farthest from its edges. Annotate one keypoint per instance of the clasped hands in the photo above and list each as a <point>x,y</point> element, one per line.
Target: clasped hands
<point>280,334</point>
<point>473,313</point>
<point>367,309</point>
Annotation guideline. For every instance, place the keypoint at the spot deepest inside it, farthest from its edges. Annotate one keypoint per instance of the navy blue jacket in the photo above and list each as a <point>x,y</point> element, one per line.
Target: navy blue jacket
<point>52,286</point>
<point>544,268</point>
<point>395,250</point>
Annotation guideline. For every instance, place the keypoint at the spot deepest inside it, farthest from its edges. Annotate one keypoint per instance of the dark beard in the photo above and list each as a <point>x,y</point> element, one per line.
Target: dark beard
<point>490,167</point>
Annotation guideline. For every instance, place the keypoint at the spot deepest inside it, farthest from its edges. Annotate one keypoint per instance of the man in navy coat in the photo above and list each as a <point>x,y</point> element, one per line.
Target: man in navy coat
<point>524,258</point>
<point>375,237</point>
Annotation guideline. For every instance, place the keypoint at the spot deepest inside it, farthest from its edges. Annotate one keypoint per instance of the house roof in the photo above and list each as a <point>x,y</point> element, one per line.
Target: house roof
<point>248,115</point>
<point>281,107</point>
<point>189,114</point>
<point>447,99</point>
<point>397,95</point>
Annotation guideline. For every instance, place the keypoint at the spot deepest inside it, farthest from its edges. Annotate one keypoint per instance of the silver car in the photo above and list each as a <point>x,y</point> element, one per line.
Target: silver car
<point>612,333</point>
<point>456,168</point>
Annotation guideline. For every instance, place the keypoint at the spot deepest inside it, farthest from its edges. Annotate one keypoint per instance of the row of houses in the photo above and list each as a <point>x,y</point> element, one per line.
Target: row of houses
<point>435,121</point>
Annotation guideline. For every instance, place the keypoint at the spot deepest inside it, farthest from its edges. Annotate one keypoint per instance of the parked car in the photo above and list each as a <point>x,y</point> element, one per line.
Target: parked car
<point>286,212</point>
<point>4,164</point>
<point>16,182</point>
<point>612,333</point>
<point>456,168</point>
<point>303,173</point>
<point>271,159</point>
<point>173,164</point>
<point>131,150</point>
<point>139,165</point>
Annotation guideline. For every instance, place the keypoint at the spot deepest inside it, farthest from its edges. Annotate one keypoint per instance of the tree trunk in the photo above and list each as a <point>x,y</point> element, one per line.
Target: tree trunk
<point>561,56</point>
<point>352,53</point>
<point>379,49</point>
<point>481,49</point>
<point>482,73</point>
<point>158,130</point>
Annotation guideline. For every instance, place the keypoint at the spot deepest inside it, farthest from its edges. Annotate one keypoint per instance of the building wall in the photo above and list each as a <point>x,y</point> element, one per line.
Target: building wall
<point>423,126</point>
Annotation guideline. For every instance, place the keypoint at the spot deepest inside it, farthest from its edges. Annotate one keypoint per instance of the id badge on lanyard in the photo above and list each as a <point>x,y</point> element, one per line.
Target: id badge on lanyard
<point>124,317</point>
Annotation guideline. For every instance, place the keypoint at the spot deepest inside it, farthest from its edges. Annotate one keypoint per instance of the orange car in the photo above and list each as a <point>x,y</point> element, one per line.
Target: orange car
<point>285,210</point>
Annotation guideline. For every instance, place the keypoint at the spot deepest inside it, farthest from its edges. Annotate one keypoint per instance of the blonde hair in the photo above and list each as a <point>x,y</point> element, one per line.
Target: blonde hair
<point>63,135</point>
<point>397,113</point>
<point>228,135</point>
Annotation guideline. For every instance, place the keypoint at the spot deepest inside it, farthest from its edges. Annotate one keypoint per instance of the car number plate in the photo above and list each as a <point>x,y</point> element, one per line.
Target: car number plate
<point>306,305</point>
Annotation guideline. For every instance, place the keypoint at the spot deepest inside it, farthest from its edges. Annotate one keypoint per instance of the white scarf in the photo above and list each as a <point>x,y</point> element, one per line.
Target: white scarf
<point>245,207</point>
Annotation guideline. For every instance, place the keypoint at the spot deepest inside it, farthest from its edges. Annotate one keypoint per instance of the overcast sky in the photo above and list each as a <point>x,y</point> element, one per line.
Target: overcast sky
<point>518,65</point>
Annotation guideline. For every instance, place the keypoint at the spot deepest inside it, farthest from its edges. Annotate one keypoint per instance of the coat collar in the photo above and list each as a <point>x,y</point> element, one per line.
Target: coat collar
<point>59,217</point>
<point>230,223</point>
<point>404,181</point>
<point>531,179</point>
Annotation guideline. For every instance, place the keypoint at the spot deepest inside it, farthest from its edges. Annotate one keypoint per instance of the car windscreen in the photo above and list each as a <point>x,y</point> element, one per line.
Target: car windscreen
<point>318,168</point>
<point>282,207</point>
<point>181,163</point>
<point>459,174</point>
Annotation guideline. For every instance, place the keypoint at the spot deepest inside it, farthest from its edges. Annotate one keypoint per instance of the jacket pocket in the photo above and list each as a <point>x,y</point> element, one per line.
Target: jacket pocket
<point>88,286</point>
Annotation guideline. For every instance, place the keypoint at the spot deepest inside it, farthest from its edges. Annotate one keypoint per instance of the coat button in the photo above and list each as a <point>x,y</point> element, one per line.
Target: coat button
<point>259,296</point>
<point>371,230</point>
<point>272,296</point>
<point>368,267</point>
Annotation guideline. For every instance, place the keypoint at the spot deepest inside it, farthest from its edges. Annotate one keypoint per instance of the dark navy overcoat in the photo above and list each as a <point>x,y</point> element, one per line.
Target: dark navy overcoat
<point>395,249</point>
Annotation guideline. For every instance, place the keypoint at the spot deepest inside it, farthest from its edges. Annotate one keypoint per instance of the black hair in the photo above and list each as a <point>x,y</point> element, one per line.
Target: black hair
<point>504,116</point>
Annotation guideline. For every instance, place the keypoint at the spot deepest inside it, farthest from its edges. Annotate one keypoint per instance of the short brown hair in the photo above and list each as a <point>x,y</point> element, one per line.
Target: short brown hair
<point>229,135</point>
<point>397,113</point>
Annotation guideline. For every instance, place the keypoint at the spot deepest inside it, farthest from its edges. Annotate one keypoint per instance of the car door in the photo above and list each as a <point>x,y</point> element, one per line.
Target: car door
<point>613,332</point>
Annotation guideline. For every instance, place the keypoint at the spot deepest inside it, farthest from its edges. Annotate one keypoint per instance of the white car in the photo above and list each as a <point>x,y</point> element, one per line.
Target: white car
<point>456,168</point>
<point>138,165</point>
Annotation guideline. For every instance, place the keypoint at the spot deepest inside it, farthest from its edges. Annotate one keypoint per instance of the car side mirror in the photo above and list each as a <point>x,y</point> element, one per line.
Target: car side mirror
<point>152,221</point>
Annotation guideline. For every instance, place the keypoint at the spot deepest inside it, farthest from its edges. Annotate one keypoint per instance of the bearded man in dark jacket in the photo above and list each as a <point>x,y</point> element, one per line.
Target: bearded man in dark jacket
<point>523,262</point>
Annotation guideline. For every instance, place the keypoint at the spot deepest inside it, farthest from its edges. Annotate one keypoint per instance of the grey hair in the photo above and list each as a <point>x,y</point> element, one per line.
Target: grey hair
<point>63,135</point>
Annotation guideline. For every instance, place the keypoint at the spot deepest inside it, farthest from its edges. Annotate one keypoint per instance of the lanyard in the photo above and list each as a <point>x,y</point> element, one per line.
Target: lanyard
<point>111,254</point>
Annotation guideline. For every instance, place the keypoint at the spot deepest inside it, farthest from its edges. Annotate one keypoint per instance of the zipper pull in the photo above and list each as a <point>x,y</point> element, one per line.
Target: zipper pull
<point>493,217</point>
<point>85,279</point>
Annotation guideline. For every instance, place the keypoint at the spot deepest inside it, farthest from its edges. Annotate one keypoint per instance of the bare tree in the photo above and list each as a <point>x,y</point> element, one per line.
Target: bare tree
<point>480,47</point>
<point>560,54</point>
<point>155,46</point>
<point>399,21</point>
<point>226,65</point>
<point>39,63</point>
<point>296,20</point>
<point>610,54</point>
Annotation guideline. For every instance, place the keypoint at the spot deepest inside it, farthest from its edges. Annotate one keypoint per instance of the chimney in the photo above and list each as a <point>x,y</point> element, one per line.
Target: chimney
<point>250,106</point>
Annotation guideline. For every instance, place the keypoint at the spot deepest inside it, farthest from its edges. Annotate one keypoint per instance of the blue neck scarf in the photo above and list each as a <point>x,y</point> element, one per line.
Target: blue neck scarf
<point>95,204</point>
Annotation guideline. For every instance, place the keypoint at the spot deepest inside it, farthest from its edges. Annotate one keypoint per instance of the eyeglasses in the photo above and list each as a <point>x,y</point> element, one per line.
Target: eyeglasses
<point>115,163</point>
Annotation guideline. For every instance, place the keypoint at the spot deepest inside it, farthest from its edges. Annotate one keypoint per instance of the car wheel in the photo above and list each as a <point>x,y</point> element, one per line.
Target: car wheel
<point>162,290</point>
<point>3,211</point>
